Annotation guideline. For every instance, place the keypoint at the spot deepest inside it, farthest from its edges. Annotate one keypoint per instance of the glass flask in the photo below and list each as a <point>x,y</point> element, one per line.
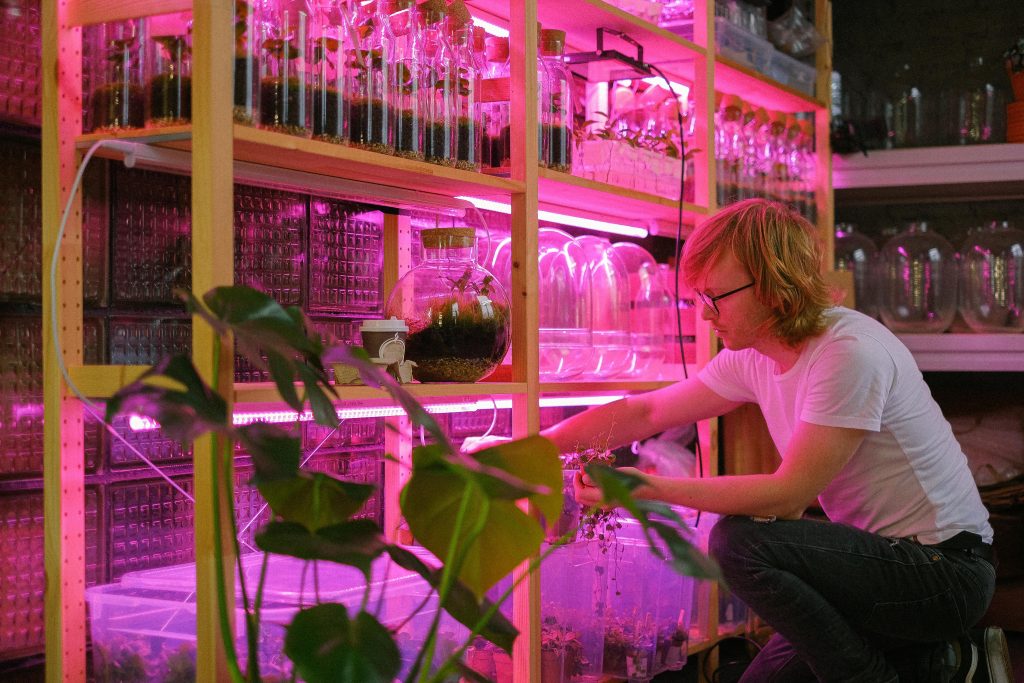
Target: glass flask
<point>372,98</point>
<point>992,279</point>
<point>857,254</point>
<point>556,100</point>
<point>673,329</point>
<point>117,98</point>
<point>284,92</point>
<point>919,281</point>
<point>332,38</point>
<point>456,310</point>
<point>646,310</point>
<point>169,67</point>
<point>612,354</point>
<point>411,81</point>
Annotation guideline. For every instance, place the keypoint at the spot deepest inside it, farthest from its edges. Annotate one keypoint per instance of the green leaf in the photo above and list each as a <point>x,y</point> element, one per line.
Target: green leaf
<point>534,460</point>
<point>430,503</point>
<point>356,543</point>
<point>173,394</point>
<point>326,646</point>
<point>314,500</point>
<point>275,454</point>
<point>461,603</point>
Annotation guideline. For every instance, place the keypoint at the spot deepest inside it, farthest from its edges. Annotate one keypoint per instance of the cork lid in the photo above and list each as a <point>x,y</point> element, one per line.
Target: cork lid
<point>440,238</point>
<point>552,40</point>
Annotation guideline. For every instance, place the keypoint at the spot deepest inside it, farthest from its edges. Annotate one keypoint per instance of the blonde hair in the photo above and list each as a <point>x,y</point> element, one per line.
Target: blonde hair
<point>781,252</point>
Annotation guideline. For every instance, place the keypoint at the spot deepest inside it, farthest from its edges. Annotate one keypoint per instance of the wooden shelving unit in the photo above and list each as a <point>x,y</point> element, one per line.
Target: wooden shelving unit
<point>216,143</point>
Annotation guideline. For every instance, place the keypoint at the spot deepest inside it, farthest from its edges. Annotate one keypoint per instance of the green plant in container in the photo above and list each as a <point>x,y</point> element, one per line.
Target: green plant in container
<point>466,509</point>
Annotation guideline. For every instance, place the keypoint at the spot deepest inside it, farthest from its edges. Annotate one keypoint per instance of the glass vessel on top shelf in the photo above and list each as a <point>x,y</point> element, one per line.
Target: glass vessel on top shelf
<point>992,279</point>
<point>457,312</point>
<point>919,281</point>
<point>115,77</point>
<point>332,40</point>
<point>169,66</point>
<point>857,254</point>
<point>372,80</point>
<point>411,81</point>
<point>248,30</point>
<point>285,103</point>
<point>468,128</point>
<point>555,118</point>
<point>612,352</point>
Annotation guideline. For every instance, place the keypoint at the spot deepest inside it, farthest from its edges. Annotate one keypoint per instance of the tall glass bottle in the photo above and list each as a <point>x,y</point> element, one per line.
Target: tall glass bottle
<point>497,149</point>
<point>169,70</point>
<point>556,98</point>
<point>468,128</point>
<point>284,90</point>
<point>332,39</point>
<point>247,61</point>
<point>372,108</point>
<point>440,130</point>
<point>411,82</point>
<point>729,148</point>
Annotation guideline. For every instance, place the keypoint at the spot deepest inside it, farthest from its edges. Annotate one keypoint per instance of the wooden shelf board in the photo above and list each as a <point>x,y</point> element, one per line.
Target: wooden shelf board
<point>266,392</point>
<point>87,12</point>
<point>757,88</point>
<point>926,174</point>
<point>966,352</point>
<point>596,387</point>
<point>103,381</point>
<point>580,19</point>
<point>591,198</point>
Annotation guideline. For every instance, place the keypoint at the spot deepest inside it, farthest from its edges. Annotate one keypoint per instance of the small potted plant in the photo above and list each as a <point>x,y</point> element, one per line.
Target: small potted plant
<point>561,652</point>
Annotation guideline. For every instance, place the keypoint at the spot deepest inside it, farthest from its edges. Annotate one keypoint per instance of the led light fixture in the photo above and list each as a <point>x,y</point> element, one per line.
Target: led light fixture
<point>563,218</point>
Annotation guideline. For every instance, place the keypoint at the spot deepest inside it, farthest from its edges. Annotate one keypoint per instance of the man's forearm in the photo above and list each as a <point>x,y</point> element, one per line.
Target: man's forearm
<point>602,427</point>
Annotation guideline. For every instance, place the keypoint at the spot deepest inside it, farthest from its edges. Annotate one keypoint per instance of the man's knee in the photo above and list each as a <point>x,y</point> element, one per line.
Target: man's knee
<point>732,539</point>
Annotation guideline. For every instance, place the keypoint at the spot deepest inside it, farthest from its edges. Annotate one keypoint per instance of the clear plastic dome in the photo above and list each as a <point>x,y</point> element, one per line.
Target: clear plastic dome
<point>610,323</point>
<point>857,254</point>
<point>565,305</point>
<point>992,279</point>
<point>457,312</point>
<point>647,313</point>
<point>919,281</point>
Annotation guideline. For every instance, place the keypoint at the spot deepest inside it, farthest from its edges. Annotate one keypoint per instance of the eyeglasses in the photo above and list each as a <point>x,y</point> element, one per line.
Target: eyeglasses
<point>710,301</point>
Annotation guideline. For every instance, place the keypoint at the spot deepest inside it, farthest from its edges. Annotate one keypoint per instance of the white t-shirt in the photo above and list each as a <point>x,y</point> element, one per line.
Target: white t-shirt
<point>909,477</point>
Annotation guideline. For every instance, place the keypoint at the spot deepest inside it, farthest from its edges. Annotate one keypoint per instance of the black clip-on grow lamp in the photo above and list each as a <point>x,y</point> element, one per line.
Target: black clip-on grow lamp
<point>610,65</point>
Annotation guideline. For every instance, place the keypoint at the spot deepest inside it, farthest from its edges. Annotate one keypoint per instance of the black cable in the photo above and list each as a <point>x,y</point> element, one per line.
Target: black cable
<point>678,253</point>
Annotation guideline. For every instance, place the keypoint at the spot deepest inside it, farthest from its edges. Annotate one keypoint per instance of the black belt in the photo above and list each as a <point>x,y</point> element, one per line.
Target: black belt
<point>970,543</point>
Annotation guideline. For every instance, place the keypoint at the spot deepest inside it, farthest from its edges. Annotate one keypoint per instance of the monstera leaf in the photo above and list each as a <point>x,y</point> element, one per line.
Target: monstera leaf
<point>314,499</point>
<point>327,646</point>
<point>495,534</point>
<point>356,543</point>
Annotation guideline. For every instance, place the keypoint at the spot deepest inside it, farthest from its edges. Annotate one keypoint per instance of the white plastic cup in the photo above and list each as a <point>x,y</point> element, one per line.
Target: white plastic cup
<point>385,339</point>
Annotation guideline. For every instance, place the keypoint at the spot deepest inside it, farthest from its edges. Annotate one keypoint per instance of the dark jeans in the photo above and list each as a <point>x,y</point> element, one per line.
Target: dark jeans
<point>848,605</point>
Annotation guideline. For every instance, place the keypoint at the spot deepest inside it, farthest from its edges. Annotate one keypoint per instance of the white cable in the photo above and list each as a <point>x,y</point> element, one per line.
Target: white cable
<point>128,148</point>
<point>494,419</point>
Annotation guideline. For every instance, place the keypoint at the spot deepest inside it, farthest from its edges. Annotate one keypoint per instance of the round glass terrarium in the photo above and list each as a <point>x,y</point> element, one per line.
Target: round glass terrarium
<point>457,312</point>
<point>992,279</point>
<point>857,254</point>
<point>919,281</point>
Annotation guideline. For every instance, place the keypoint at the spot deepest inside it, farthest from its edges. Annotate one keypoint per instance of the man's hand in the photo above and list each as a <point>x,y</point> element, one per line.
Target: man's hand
<point>587,493</point>
<point>479,443</point>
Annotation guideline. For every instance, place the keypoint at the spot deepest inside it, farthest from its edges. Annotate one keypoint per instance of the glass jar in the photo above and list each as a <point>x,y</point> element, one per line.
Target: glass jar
<point>372,124</point>
<point>284,92</point>
<point>331,42</point>
<point>857,254</point>
<point>564,316</point>
<point>612,354</point>
<point>647,309</point>
<point>468,129</point>
<point>497,146</point>
<point>248,29</point>
<point>439,143</point>
<point>117,98</point>
<point>919,281</point>
<point>992,279</point>
<point>556,100</point>
<point>457,312</point>
<point>411,81</point>
<point>169,67</point>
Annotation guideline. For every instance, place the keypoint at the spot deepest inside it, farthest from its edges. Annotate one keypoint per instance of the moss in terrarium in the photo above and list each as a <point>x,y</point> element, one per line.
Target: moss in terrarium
<point>170,99</point>
<point>116,106</point>
<point>466,144</point>
<point>180,665</point>
<point>370,121</point>
<point>500,148</point>
<point>458,343</point>
<point>408,135</point>
<point>281,105</point>
<point>437,144</point>
<point>328,113</point>
<point>558,154</point>
<point>119,663</point>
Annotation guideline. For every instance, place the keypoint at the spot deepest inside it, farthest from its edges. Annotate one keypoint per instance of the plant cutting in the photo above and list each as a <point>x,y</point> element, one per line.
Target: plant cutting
<point>465,509</point>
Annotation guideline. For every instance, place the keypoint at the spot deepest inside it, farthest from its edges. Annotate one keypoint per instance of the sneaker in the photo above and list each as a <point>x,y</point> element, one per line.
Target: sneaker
<point>962,662</point>
<point>994,660</point>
